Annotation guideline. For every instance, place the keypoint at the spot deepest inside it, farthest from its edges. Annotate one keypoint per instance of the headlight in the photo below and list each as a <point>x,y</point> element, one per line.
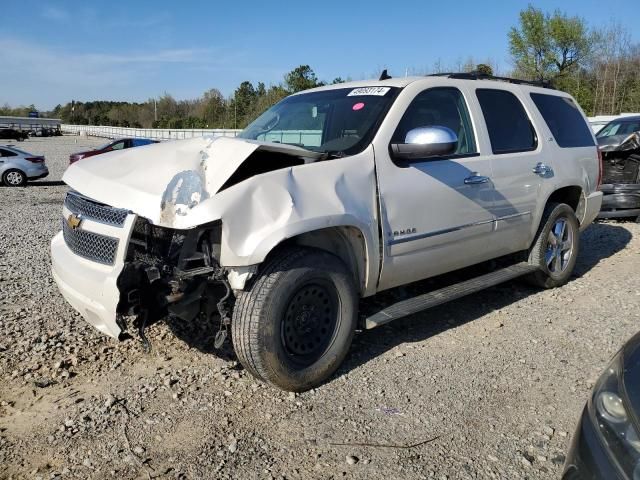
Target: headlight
<point>609,412</point>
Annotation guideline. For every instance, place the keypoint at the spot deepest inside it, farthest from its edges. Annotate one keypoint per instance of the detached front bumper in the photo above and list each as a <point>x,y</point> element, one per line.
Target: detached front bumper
<point>620,200</point>
<point>90,286</point>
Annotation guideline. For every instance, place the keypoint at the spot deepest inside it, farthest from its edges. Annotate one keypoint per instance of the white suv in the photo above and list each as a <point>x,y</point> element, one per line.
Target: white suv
<point>333,194</point>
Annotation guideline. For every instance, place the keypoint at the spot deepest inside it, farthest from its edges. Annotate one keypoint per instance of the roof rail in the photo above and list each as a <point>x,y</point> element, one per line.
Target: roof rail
<point>484,76</point>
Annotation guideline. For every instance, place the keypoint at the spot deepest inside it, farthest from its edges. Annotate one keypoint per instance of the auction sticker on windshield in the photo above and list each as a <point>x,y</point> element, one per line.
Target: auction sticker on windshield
<point>378,91</point>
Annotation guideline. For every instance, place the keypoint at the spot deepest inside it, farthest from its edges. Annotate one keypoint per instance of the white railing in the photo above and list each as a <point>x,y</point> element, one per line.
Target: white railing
<point>309,138</point>
<point>153,133</point>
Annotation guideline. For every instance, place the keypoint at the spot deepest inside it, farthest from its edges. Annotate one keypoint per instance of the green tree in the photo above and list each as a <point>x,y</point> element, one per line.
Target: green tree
<point>484,69</point>
<point>546,46</point>
<point>301,78</point>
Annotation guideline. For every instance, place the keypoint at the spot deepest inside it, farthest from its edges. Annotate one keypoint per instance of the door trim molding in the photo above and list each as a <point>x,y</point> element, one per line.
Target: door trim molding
<point>420,236</point>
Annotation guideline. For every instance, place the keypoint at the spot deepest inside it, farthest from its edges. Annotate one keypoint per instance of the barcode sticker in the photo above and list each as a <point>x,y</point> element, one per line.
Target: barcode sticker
<point>377,91</point>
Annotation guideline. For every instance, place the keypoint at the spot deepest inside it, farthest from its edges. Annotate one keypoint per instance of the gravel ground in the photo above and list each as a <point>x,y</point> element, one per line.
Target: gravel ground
<point>498,379</point>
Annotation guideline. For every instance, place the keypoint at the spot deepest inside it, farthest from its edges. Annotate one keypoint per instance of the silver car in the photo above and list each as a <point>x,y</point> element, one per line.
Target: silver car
<point>18,166</point>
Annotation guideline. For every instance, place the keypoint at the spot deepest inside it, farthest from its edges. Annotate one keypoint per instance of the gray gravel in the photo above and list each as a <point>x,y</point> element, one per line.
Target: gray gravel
<point>499,378</point>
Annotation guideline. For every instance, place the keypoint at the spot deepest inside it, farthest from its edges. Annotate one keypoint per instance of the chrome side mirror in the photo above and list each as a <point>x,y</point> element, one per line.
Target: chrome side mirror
<point>425,142</point>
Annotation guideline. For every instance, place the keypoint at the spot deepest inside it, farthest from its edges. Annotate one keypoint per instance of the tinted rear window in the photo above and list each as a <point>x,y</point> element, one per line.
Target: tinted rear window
<point>507,122</point>
<point>564,120</point>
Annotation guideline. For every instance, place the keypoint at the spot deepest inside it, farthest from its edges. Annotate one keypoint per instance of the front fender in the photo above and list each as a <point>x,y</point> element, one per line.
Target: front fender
<point>262,212</point>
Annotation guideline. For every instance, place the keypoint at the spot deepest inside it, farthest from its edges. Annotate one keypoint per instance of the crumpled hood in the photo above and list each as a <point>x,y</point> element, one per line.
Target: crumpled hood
<point>622,142</point>
<point>164,181</point>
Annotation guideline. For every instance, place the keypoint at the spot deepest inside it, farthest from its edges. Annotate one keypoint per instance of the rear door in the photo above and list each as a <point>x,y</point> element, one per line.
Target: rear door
<point>516,153</point>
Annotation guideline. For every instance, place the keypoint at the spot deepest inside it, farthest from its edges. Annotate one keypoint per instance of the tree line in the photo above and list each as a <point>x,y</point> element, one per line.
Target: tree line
<point>211,110</point>
<point>600,67</point>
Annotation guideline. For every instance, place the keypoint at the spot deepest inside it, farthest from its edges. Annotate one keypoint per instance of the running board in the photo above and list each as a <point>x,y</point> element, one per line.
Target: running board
<point>443,295</point>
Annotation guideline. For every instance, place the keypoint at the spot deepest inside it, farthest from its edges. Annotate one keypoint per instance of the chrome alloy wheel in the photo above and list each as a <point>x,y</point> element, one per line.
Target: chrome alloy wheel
<point>559,246</point>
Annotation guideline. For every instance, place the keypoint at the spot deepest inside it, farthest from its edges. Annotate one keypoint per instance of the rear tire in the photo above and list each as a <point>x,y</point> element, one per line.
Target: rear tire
<point>555,249</point>
<point>14,178</point>
<point>294,325</point>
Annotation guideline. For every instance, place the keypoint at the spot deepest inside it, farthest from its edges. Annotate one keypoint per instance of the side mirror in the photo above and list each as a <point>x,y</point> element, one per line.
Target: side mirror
<point>425,142</point>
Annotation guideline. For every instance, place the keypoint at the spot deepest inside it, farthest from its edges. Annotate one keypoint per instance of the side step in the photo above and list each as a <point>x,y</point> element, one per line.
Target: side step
<point>418,303</point>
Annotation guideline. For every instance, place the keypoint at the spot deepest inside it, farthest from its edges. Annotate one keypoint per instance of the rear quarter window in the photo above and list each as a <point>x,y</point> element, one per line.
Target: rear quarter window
<point>564,119</point>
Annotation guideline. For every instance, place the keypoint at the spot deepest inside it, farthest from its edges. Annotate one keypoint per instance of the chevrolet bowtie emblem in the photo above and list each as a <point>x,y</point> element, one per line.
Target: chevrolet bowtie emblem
<point>74,220</point>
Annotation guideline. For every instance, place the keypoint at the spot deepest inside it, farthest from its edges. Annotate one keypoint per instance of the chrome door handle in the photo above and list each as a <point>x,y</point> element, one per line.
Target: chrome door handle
<point>542,169</point>
<point>475,180</point>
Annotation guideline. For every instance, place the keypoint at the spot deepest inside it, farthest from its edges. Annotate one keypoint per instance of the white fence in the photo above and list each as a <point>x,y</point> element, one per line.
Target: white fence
<point>153,133</point>
<point>303,137</point>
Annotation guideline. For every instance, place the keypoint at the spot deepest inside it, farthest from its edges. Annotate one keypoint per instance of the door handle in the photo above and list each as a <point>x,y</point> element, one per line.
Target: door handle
<point>475,180</point>
<point>542,169</point>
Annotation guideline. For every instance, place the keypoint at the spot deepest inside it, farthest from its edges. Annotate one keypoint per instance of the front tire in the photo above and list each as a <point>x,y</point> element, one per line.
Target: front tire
<point>294,325</point>
<point>14,178</point>
<point>555,250</point>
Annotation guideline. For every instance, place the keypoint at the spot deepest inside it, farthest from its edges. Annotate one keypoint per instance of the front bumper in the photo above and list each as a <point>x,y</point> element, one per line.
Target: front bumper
<point>587,458</point>
<point>91,287</point>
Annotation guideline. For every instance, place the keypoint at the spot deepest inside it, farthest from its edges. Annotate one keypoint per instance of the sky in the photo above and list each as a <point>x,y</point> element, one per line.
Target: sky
<point>52,52</point>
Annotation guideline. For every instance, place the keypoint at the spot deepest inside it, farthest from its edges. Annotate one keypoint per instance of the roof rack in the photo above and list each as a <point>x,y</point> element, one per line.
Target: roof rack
<point>484,76</point>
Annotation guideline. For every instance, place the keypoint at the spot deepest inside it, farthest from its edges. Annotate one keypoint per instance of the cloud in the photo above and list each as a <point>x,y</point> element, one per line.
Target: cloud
<point>54,13</point>
<point>43,75</point>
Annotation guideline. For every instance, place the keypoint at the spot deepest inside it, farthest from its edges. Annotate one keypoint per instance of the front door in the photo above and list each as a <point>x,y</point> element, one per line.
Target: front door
<point>436,213</point>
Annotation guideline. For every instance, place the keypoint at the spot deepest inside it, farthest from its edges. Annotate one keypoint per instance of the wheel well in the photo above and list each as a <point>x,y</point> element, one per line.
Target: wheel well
<point>569,195</point>
<point>347,243</point>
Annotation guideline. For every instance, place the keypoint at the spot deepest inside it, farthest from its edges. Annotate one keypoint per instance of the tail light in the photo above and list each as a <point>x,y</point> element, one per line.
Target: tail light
<point>600,168</point>
<point>35,159</point>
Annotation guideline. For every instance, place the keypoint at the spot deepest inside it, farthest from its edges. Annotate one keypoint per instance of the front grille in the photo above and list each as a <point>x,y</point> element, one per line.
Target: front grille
<point>92,246</point>
<point>94,210</point>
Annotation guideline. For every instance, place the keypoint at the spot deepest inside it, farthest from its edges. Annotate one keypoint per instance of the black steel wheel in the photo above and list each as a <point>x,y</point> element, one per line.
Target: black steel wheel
<point>310,322</point>
<point>293,325</point>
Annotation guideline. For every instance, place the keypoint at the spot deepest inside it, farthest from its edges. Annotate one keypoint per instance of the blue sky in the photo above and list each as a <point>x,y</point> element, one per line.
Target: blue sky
<point>55,51</point>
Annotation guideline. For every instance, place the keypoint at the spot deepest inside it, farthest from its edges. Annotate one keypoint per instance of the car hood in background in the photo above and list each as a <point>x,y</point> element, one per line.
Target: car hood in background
<point>610,141</point>
<point>163,182</point>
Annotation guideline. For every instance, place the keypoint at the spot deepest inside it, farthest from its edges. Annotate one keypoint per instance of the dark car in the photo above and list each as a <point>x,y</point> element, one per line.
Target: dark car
<point>606,444</point>
<point>119,144</point>
<point>13,134</point>
<point>619,144</point>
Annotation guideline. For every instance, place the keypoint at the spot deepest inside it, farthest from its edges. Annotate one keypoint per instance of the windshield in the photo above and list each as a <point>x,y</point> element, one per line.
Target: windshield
<point>619,128</point>
<point>341,121</point>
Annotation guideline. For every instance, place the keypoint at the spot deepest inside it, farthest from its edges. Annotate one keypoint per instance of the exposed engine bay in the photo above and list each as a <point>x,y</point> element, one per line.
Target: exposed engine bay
<point>173,272</point>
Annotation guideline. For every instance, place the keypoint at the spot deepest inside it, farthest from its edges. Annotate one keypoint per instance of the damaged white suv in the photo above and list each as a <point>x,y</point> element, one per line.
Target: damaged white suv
<point>332,195</point>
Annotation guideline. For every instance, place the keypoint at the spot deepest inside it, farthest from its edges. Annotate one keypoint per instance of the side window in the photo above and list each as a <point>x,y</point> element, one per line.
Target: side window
<point>118,146</point>
<point>564,120</point>
<point>442,107</point>
<point>7,153</point>
<point>509,127</point>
